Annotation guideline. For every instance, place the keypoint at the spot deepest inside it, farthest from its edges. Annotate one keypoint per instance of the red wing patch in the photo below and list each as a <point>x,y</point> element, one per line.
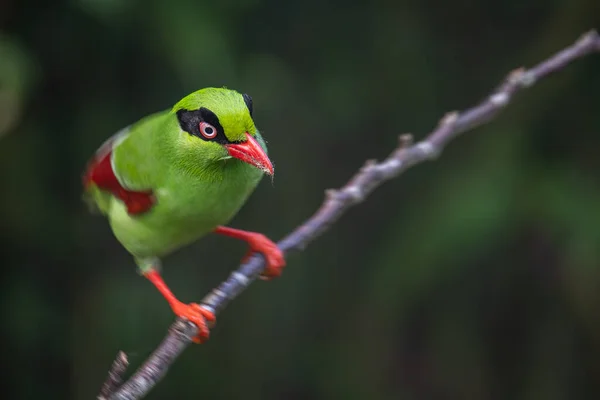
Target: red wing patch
<point>100,172</point>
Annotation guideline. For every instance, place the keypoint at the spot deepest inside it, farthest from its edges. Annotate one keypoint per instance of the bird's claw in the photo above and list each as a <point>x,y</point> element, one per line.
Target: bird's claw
<point>198,316</point>
<point>273,255</point>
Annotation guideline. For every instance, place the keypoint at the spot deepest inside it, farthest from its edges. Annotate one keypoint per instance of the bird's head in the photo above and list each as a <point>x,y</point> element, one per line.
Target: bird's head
<point>217,123</point>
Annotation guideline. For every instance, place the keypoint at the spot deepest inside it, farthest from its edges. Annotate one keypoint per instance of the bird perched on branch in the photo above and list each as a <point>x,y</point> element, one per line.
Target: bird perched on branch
<point>178,175</point>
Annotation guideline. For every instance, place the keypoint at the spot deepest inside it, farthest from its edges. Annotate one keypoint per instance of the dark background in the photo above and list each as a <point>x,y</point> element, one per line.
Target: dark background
<point>472,277</point>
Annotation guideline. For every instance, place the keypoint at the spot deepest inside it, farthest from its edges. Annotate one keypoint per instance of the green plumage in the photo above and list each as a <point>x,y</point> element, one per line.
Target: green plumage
<point>197,185</point>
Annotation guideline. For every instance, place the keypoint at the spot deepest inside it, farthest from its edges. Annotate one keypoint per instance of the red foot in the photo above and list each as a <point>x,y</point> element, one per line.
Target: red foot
<point>193,312</point>
<point>261,244</point>
<point>197,315</point>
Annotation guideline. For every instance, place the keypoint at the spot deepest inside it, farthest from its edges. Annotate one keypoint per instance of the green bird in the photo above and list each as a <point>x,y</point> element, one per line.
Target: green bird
<point>178,175</point>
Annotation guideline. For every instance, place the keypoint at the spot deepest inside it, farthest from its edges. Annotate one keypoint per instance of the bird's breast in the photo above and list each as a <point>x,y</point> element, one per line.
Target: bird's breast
<point>204,203</point>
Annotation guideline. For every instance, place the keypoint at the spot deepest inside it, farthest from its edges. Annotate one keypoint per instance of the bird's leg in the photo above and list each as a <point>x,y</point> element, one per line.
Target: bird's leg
<point>258,243</point>
<point>193,312</point>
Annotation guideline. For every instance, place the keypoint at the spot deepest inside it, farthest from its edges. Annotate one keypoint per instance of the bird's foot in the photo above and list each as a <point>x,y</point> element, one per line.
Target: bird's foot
<point>197,315</point>
<point>261,244</point>
<point>273,255</point>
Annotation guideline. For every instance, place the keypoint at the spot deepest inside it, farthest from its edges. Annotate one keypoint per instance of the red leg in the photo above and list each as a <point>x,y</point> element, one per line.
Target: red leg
<point>192,312</point>
<point>258,243</point>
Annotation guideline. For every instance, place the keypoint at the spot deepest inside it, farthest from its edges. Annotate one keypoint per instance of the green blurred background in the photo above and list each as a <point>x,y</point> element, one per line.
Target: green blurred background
<point>472,277</point>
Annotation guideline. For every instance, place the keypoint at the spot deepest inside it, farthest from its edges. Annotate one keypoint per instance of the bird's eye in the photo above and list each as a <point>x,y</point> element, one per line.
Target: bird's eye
<point>207,130</point>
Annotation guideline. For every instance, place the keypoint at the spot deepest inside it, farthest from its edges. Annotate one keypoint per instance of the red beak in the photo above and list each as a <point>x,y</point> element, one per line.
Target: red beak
<point>251,153</point>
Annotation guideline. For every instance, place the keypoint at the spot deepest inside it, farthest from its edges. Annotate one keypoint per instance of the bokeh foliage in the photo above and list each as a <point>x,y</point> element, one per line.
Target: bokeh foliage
<point>473,277</point>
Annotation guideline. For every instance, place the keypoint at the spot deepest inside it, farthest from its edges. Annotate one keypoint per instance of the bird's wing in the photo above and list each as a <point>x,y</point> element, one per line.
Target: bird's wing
<point>122,168</point>
<point>94,194</point>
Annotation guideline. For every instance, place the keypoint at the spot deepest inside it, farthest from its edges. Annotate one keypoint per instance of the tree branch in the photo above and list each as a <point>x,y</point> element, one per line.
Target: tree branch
<point>336,203</point>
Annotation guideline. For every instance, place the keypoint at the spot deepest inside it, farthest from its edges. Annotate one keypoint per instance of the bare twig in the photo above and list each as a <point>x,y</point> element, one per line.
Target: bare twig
<point>370,176</point>
<point>115,376</point>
